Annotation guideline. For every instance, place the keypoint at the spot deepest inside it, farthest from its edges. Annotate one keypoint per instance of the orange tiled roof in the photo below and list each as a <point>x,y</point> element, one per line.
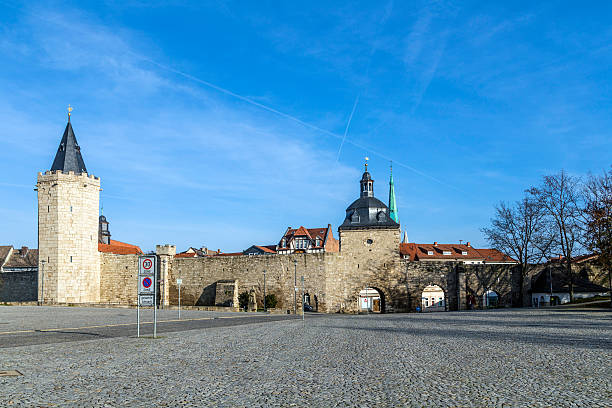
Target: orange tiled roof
<point>493,255</point>
<point>119,248</point>
<point>229,254</point>
<point>268,248</point>
<point>186,255</point>
<point>311,233</point>
<point>421,252</point>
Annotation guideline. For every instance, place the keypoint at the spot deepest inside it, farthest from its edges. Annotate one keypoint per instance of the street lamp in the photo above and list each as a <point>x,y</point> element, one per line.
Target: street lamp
<point>264,297</point>
<point>162,283</point>
<point>295,286</point>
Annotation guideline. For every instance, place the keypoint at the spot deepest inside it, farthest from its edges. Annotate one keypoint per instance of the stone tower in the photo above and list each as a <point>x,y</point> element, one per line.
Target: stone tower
<point>68,207</point>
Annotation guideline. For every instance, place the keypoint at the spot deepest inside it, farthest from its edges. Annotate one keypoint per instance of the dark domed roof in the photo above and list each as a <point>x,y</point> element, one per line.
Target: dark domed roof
<point>367,212</point>
<point>366,202</point>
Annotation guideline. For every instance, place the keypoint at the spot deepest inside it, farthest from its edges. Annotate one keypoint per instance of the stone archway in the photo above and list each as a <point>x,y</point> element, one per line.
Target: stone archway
<point>372,300</point>
<point>433,299</point>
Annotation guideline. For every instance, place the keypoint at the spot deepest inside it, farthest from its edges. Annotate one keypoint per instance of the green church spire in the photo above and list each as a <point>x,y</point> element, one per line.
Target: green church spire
<point>392,206</point>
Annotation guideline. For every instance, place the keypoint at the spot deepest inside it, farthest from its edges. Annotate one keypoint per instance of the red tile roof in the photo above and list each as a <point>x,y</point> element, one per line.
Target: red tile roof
<point>229,254</point>
<point>186,255</point>
<point>421,252</point>
<point>267,249</point>
<point>327,239</point>
<point>493,255</point>
<point>119,248</point>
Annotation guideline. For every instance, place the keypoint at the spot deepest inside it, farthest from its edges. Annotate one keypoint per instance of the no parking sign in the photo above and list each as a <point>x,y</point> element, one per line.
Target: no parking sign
<point>145,286</point>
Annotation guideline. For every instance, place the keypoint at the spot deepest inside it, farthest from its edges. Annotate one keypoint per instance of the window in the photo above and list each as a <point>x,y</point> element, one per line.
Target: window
<point>463,252</point>
<point>70,208</point>
<point>369,242</point>
<point>70,258</point>
<point>446,252</point>
<point>429,252</point>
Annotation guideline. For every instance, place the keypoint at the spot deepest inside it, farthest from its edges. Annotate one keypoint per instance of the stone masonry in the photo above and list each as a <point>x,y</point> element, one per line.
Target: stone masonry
<point>68,206</point>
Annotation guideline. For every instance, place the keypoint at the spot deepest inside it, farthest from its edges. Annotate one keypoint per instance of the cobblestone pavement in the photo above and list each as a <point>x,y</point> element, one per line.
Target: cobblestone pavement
<point>491,358</point>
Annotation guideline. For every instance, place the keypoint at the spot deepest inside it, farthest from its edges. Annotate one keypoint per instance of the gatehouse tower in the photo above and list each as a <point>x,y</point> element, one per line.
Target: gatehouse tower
<point>368,227</point>
<point>68,209</point>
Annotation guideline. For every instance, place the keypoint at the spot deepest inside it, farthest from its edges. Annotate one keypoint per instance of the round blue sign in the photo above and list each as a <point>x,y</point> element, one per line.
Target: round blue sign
<point>147,282</point>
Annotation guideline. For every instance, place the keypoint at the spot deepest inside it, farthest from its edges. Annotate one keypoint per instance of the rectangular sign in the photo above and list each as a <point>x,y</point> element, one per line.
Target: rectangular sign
<point>179,281</point>
<point>145,300</point>
<point>146,284</point>
<point>365,304</point>
<point>147,264</point>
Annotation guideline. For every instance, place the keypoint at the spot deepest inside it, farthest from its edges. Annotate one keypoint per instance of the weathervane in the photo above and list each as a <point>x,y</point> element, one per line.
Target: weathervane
<point>69,111</point>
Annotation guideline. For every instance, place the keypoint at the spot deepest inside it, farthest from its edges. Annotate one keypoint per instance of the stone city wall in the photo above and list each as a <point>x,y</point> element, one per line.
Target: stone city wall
<point>19,286</point>
<point>118,279</point>
<point>335,279</point>
<point>200,275</point>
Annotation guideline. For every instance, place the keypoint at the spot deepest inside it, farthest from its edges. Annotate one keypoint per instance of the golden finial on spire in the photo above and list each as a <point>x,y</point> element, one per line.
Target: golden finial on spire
<point>69,112</point>
<point>366,163</point>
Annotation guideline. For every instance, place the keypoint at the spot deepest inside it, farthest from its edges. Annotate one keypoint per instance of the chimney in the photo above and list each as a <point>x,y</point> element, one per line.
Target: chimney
<point>435,243</point>
<point>23,251</point>
<point>218,251</point>
<point>467,244</point>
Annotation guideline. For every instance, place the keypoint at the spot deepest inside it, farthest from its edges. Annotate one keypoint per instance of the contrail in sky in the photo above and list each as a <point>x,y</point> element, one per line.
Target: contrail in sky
<point>290,117</point>
<point>347,127</point>
<point>260,105</point>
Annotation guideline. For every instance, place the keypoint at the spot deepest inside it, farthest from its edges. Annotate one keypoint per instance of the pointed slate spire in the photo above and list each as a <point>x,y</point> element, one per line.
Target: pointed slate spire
<point>405,239</point>
<point>68,157</point>
<point>392,206</point>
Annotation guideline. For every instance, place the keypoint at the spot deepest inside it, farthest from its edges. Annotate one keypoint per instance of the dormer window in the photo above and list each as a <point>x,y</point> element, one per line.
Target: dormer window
<point>429,252</point>
<point>318,242</point>
<point>283,243</point>
<point>463,252</point>
<point>446,252</point>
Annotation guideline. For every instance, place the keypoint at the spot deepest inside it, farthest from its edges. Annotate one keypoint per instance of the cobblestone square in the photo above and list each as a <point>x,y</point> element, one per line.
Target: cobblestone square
<point>486,358</point>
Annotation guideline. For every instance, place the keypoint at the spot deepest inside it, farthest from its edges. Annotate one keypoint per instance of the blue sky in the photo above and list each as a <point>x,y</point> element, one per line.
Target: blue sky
<point>222,123</point>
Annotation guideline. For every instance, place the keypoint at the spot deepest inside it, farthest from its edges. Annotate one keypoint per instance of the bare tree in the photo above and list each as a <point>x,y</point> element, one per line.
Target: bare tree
<point>598,220</point>
<point>521,232</point>
<point>560,196</point>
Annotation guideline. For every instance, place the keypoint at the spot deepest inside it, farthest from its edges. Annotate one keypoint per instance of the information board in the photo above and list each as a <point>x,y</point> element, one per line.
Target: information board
<point>145,300</point>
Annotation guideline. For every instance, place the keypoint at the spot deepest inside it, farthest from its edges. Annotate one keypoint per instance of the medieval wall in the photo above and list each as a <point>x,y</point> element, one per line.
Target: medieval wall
<point>200,275</point>
<point>118,278</point>
<point>502,279</point>
<point>19,286</point>
<point>334,278</point>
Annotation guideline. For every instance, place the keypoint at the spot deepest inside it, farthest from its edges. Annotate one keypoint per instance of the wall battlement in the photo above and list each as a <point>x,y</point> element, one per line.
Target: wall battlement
<point>58,175</point>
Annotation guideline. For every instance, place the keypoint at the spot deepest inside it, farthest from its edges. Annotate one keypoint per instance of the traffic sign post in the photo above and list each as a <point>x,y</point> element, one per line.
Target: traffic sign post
<point>147,288</point>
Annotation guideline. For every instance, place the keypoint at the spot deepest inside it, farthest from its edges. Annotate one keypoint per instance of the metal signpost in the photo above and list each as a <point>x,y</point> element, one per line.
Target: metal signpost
<point>147,287</point>
<point>303,299</point>
<point>295,287</point>
<point>178,283</point>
